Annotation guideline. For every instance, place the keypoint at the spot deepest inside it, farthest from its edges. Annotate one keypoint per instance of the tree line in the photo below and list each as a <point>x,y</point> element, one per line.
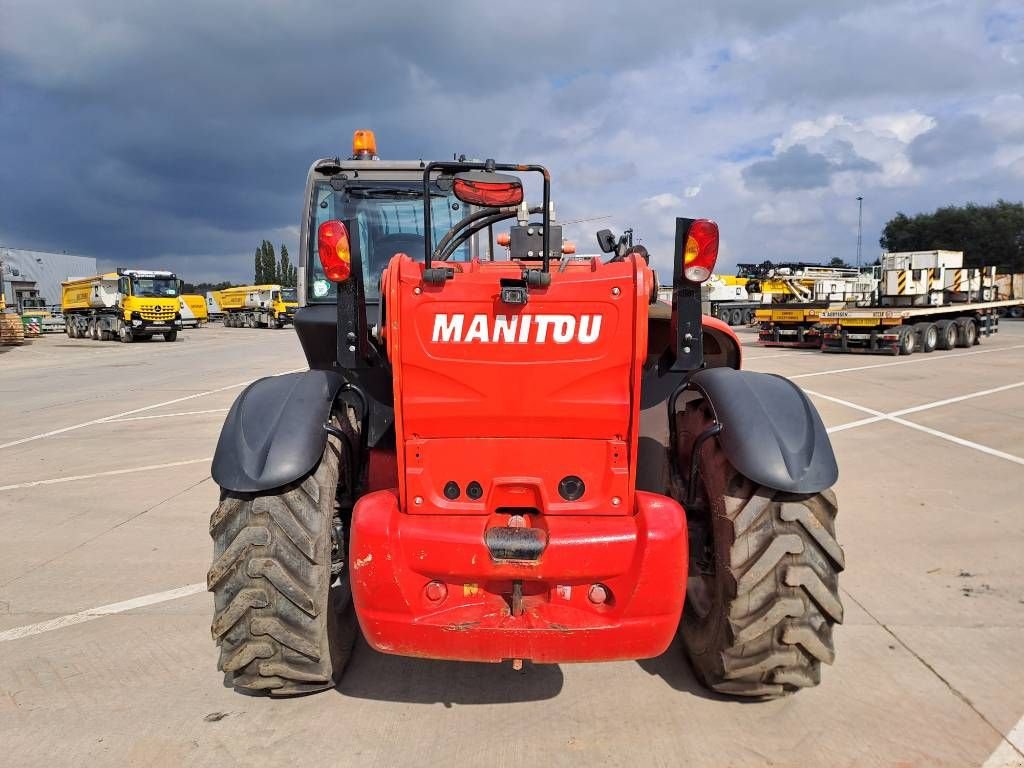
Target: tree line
<point>989,235</point>
<point>202,288</point>
<point>269,270</point>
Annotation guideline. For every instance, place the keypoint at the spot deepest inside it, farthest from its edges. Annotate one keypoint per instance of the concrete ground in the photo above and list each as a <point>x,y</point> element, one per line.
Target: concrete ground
<point>105,650</point>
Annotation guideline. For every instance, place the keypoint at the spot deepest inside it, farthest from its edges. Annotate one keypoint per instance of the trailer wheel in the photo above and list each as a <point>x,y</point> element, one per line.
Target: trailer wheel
<point>283,614</point>
<point>908,340</point>
<point>967,332</point>
<point>763,594</point>
<point>927,336</point>
<point>948,334</point>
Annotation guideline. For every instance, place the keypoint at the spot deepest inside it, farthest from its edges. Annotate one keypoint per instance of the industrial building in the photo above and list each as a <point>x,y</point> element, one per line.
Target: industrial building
<point>29,274</point>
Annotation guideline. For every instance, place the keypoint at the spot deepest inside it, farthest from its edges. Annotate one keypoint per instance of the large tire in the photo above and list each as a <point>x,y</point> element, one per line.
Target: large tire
<point>927,336</point>
<point>967,332</point>
<point>763,596</point>
<point>908,340</point>
<point>171,336</point>
<point>284,623</point>
<point>948,334</point>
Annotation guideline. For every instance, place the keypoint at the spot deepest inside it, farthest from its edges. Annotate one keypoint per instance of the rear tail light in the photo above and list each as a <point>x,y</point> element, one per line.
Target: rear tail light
<point>335,254</point>
<point>701,251</point>
<point>488,194</point>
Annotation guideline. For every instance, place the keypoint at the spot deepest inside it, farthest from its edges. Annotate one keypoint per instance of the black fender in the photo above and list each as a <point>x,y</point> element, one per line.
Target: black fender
<point>771,432</point>
<point>274,433</point>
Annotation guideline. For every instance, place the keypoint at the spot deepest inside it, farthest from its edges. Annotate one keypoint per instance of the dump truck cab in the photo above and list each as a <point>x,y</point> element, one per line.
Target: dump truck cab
<point>256,306</point>
<point>127,304</point>
<point>519,458</point>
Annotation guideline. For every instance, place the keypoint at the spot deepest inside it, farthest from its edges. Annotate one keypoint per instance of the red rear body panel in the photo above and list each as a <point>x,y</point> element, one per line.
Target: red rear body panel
<point>640,558</point>
<point>501,403</point>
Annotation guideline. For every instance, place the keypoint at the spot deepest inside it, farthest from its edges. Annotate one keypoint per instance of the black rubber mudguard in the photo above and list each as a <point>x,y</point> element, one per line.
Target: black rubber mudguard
<point>274,433</point>
<point>771,432</point>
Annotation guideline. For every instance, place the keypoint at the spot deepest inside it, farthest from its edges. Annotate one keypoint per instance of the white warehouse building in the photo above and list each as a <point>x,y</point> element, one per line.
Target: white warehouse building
<point>38,274</point>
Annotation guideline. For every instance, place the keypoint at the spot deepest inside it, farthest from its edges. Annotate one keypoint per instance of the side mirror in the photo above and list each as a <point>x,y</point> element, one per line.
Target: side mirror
<point>488,189</point>
<point>606,241</point>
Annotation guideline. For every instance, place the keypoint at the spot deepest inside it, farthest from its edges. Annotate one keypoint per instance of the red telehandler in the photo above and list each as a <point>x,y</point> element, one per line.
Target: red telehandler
<point>514,456</point>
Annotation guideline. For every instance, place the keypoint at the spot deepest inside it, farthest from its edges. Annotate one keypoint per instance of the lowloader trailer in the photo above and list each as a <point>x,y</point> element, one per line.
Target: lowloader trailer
<point>258,306</point>
<point>128,304</point>
<point>923,300</point>
<point>905,330</point>
<point>795,325</point>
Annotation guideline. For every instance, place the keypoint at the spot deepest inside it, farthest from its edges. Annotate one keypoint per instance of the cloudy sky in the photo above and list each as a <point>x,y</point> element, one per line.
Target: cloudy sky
<point>179,134</point>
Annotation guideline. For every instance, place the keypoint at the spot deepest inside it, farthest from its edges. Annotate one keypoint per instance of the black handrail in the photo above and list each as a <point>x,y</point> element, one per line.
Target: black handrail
<point>489,165</point>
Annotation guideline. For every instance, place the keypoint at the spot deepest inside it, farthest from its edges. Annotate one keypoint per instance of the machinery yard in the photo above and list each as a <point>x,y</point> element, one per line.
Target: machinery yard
<point>105,650</point>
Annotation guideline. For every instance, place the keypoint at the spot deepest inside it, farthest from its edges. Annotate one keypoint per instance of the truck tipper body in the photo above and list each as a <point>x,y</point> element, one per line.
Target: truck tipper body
<point>193,310</point>
<point>213,310</point>
<point>258,306</point>
<point>128,304</point>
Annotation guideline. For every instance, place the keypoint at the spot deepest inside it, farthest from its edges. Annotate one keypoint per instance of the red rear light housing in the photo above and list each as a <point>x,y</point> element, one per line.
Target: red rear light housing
<point>335,252</point>
<point>491,194</point>
<point>701,250</point>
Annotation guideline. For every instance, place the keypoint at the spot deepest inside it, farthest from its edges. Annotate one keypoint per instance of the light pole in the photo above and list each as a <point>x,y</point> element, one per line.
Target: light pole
<point>860,220</point>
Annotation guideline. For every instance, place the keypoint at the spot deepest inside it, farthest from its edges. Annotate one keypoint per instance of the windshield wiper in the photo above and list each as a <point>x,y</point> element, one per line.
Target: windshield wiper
<point>387,192</point>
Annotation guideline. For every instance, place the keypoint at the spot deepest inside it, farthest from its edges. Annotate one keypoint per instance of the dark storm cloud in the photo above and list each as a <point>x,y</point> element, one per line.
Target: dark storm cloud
<point>180,133</point>
<point>152,130</point>
<point>797,168</point>
<point>951,140</point>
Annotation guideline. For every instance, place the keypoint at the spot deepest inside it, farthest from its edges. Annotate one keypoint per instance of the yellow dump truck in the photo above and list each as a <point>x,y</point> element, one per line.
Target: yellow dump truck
<point>258,306</point>
<point>193,310</point>
<point>128,304</point>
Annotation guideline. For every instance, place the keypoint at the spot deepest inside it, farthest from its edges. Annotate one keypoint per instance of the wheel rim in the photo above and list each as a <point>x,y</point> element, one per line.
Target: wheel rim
<point>931,336</point>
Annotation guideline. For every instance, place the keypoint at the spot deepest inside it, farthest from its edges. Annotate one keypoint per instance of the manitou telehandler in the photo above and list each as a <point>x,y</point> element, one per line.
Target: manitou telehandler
<point>524,458</point>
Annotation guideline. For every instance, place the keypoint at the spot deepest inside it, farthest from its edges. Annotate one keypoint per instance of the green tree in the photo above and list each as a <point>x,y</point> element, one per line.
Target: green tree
<point>838,263</point>
<point>258,268</point>
<point>269,263</point>
<point>285,270</point>
<point>989,235</point>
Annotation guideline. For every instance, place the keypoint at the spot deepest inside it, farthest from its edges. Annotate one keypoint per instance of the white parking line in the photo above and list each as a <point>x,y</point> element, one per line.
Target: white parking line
<point>132,412</point>
<point>788,353</point>
<point>933,358</point>
<point>104,610</point>
<point>924,407</point>
<point>1010,752</point>
<point>109,473</point>
<point>920,428</point>
<point>165,415</point>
